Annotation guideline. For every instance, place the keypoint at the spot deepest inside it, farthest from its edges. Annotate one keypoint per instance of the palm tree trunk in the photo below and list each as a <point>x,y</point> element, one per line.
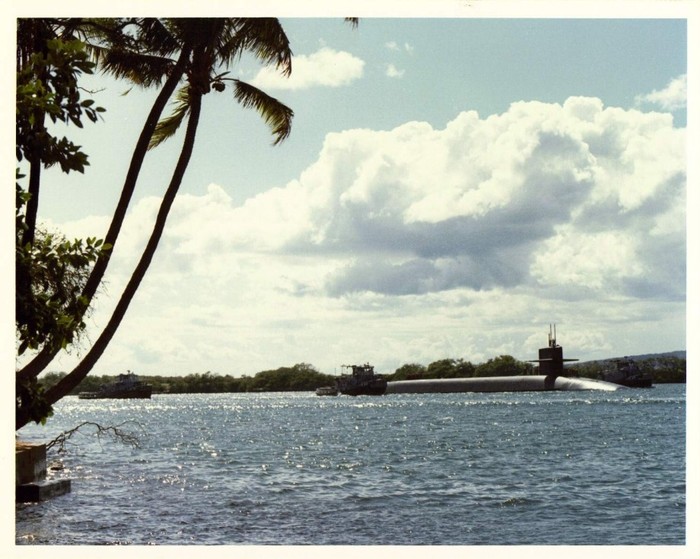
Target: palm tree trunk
<point>37,33</point>
<point>70,381</point>
<point>33,191</point>
<point>49,351</point>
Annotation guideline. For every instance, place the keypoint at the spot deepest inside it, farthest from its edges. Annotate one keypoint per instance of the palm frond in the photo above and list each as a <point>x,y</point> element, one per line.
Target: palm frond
<point>97,53</point>
<point>203,31</point>
<point>156,36</point>
<point>142,69</point>
<point>264,38</point>
<point>134,34</point>
<point>275,114</point>
<point>167,126</point>
<point>105,31</point>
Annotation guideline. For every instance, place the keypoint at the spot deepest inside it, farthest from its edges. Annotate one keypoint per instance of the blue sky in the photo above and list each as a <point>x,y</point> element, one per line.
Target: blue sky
<point>444,66</point>
<point>450,187</point>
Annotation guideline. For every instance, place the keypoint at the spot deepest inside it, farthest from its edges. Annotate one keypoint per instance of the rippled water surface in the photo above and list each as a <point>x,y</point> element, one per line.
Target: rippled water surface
<point>295,468</point>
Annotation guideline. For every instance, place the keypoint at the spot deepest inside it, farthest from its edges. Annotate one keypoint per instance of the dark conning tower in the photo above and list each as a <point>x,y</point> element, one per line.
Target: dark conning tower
<point>551,358</point>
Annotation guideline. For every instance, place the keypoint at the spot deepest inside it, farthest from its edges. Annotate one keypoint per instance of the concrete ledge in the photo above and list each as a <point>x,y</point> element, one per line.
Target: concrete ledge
<point>41,490</point>
<point>30,462</point>
<point>30,475</point>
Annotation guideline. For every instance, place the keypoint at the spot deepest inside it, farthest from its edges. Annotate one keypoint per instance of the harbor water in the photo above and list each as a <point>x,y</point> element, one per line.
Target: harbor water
<point>544,468</point>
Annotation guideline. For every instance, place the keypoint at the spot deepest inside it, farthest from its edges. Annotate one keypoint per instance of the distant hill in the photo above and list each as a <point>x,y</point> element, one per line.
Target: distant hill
<point>643,357</point>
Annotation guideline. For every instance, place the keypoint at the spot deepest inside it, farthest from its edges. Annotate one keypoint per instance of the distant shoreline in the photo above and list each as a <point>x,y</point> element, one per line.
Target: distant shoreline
<point>664,368</point>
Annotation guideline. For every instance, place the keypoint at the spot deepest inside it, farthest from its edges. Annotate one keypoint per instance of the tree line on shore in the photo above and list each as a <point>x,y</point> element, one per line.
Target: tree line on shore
<point>305,377</point>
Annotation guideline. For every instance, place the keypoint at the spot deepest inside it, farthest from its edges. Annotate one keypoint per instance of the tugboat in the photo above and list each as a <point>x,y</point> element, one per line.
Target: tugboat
<point>127,385</point>
<point>628,374</point>
<point>362,381</point>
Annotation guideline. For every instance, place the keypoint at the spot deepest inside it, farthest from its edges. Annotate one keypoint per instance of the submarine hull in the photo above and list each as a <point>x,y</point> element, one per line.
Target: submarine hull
<point>522,383</point>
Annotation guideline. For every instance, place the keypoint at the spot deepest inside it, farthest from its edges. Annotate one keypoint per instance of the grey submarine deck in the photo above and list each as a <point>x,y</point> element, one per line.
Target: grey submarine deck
<point>524,383</point>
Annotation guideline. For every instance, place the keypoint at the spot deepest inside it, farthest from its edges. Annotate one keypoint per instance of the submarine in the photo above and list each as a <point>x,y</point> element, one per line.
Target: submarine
<point>552,376</point>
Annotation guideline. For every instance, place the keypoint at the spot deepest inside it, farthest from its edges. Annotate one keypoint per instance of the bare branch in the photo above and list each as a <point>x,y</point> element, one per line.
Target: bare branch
<point>114,431</point>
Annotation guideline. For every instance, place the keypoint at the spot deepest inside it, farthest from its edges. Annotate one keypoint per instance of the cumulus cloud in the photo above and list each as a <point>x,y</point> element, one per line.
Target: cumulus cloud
<point>541,195</point>
<point>672,98</point>
<point>576,197</point>
<point>325,68</point>
<point>395,239</point>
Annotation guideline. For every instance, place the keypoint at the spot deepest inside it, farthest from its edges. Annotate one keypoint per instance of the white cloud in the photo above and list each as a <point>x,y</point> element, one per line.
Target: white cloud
<point>393,72</point>
<point>672,98</point>
<point>393,242</point>
<point>325,68</point>
<point>541,195</point>
<point>596,261</point>
<point>394,46</point>
<point>482,203</point>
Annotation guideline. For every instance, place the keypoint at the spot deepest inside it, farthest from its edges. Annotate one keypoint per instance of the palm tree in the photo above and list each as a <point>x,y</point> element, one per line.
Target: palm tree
<point>50,58</point>
<point>121,57</point>
<point>205,46</point>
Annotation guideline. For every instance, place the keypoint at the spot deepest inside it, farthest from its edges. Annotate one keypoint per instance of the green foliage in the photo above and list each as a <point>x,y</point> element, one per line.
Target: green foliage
<point>48,87</point>
<point>503,365</point>
<point>30,396</point>
<point>450,368</point>
<point>300,377</point>
<point>410,371</point>
<point>50,274</point>
<point>50,271</point>
<point>665,369</point>
<point>464,369</point>
<point>167,126</point>
<point>442,368</point>
<point>276,115</point>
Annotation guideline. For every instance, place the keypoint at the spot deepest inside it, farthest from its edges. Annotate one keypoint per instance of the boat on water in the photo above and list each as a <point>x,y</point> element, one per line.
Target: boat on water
<point>361,381</point>
<point>127,385</point>
<point>627,373</point>
<point>326,391</point>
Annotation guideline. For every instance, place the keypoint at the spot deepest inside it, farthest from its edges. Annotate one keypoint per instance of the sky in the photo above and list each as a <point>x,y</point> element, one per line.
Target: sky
<point>451,187</point>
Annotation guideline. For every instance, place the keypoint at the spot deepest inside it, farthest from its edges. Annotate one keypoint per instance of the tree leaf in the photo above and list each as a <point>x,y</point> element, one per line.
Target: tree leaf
<point>167,127</point>
<point>275,114</point>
